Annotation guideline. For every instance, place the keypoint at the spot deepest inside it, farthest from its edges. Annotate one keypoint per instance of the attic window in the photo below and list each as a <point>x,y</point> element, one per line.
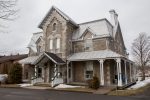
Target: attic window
<point>54,27</point>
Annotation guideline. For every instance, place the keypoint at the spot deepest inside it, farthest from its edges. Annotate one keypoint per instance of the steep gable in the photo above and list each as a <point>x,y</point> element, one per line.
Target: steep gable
<point>88,33</point>
<point>118,36</point>
<point>68,19</point>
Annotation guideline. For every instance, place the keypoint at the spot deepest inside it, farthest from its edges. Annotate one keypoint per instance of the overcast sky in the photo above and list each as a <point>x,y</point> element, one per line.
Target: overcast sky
<point>134,18</point>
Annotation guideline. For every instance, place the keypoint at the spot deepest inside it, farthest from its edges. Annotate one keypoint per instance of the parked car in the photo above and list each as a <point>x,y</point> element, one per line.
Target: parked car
<point>3,78</point>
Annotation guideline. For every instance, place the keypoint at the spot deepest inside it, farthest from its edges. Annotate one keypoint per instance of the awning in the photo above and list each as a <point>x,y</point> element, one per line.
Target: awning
<point>51,56</point>
<point>94,55</point>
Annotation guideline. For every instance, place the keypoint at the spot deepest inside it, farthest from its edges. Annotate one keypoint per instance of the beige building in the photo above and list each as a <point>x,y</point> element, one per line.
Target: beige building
<point>67,52</point>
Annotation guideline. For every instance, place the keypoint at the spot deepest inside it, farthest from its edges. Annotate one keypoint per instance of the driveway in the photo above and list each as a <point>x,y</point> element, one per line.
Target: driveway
<point>30,94</point>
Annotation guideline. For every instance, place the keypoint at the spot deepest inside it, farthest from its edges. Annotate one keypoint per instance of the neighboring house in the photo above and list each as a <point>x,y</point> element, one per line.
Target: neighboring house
<point>34,51</point>
<point>6,62</point>
<point>73,53</point>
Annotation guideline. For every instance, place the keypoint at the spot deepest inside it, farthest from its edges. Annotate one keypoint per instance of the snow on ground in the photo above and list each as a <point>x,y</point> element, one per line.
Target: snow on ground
<point>140,84</point>
<point>25,85</point>
<point>65,86</point>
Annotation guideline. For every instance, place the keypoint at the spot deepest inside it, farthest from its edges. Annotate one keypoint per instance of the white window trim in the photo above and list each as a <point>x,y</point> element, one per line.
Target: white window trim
<point>51,44</point>
<point>89,63</point>
<point>58,43</point>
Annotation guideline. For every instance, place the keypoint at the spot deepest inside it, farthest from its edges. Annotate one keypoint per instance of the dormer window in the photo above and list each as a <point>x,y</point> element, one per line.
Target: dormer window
<point>54,27</point>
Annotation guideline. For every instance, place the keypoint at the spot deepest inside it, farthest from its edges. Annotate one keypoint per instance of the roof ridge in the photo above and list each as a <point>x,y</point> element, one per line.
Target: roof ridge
<point>92,21</point>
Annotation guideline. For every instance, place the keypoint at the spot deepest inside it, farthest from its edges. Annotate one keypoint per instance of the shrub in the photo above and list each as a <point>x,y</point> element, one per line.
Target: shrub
<point>15,74</point>
<point>94,83</point>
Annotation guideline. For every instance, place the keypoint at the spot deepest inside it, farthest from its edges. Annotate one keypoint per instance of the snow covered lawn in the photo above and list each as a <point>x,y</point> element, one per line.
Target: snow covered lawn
<point>25,85</point>
<point>61,86</point>
<point>140,84</point>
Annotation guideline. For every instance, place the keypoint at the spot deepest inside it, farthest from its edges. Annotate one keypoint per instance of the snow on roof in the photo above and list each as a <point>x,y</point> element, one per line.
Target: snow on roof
<point>32,43</point>
<point>94,55</point>
<point>99,27</point>
<point>28,60</point>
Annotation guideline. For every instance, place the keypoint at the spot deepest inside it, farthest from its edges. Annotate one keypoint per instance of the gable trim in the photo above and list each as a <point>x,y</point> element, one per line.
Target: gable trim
<point>67,18</point>
<point>85,32</point>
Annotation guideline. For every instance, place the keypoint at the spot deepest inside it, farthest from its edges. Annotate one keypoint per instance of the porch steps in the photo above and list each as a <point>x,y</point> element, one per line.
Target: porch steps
<point>126,86</point>
<point>104,90</point>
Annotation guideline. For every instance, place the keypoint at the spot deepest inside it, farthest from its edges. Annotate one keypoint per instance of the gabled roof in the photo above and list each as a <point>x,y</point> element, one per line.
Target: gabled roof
<point>53,57</point>
<point>94,55</point>
<point>32,43</point>
<point>28,60</point>
<point>66,17</point>
<point>99,27</point>
<point>12,58</point>
<point>88,30</point>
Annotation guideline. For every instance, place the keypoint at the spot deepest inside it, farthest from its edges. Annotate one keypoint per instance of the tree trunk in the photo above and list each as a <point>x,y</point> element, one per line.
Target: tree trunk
<point>143,73</point>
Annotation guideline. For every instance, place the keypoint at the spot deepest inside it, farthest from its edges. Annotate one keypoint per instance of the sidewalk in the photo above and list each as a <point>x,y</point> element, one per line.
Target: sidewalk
<point>37,87</point>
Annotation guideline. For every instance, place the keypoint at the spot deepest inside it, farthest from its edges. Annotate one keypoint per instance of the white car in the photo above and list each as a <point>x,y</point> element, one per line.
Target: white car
<point>3,78</point>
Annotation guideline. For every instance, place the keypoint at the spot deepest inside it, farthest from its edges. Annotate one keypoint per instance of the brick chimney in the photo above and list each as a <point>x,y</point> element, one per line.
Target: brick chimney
<point>114,17</point>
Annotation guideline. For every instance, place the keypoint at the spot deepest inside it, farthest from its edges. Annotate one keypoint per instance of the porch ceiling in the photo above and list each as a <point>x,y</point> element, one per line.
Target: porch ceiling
<point>94,55</point>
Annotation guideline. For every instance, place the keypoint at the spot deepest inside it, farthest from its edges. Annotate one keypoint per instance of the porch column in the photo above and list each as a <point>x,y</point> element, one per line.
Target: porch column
<point>71,72</point>
<point>126,77</point>
<point>119,72</point>
<point>101,71</point>
<point>55,71</point>
<point>68,72</point>
<point>35,73</point>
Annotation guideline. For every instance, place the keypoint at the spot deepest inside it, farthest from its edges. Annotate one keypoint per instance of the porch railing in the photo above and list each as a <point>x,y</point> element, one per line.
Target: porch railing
<point>37,80</point>
<point>56,81</point>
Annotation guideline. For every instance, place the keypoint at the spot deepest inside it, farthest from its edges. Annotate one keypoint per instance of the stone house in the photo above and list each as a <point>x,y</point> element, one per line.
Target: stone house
<point>67,52</point>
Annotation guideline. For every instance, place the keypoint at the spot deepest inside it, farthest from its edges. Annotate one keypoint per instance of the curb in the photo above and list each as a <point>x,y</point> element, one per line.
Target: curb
<point>69,91</point>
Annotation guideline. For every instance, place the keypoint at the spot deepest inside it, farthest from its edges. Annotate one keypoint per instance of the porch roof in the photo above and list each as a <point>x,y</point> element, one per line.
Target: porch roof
<point>53,57</point>
<point>94,55</point>
<point>28,60</point>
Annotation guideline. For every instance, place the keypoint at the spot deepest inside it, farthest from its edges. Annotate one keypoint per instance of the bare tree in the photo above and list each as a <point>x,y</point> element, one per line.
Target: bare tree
<point>141,51</point>
<point>7,9</point>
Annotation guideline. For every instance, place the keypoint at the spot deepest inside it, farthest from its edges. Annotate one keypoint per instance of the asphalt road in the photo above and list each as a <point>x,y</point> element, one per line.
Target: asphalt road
<point>27,94</point>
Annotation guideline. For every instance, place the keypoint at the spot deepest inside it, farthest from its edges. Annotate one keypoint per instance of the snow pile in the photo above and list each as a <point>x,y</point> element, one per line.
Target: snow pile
<point>140,84</point>
<point>65,86</point>
<point>25,85</point>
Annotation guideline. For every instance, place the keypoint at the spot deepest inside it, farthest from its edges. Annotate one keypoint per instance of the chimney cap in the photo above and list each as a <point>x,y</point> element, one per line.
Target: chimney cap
<point>112,10</point>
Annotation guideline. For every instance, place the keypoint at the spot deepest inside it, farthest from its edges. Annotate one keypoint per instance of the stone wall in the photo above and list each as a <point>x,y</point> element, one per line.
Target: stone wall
<point>27,72</point>
<point>78,71</point>
<point>97,44</point>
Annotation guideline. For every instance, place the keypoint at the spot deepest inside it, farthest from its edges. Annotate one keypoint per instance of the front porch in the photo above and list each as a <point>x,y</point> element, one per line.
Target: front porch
<point>49,68</point>
<point>111,71</point>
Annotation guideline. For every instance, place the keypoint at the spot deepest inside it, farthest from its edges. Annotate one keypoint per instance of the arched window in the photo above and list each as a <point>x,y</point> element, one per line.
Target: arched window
<point>51,44</point>
<point>58,43</point>
<point>54,26</point>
